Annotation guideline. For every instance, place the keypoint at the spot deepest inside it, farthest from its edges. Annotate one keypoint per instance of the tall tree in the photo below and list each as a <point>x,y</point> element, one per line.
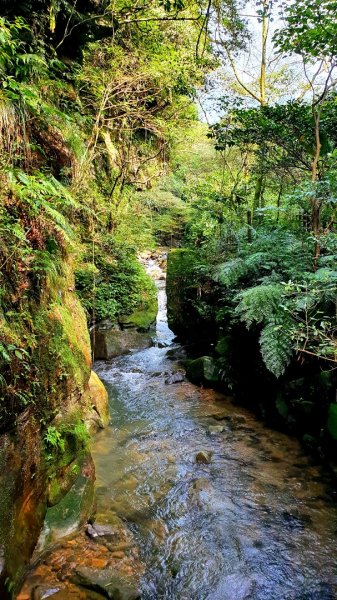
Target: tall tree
<point>310,30</point>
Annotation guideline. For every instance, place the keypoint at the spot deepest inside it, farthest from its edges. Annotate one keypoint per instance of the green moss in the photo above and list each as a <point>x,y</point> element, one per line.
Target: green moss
<point>181,289</point>
<point>332,421</point>
<point>142,318</point>
<point>203,370</point>
<point>224,346</point>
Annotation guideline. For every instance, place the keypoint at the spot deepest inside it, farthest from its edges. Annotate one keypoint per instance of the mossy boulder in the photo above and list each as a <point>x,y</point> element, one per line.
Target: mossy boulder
<point>142,318</point>
<point>203,370</point>
<point>109,343</point>
<point>72,511</point>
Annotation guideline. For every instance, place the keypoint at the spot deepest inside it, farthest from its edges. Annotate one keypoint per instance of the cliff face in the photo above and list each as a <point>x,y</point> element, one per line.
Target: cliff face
<point>45,450</point>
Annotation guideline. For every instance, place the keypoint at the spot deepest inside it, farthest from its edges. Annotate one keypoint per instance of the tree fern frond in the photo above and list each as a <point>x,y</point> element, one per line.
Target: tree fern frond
<point>259,303</point>
<point>230,272</point>
<point>276,346</point>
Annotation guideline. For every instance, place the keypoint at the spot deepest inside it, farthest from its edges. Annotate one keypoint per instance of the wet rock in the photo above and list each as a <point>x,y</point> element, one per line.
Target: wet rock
<point>203,370</point>
<point>108,582</point>
<point>114,342</point>
<point>69,515</point>
<point>101,531</point>
<point>96,397</point>
<point>215,429</point>
<point>233,420</point>
<point>59,486</point>
<point>201,484</point>
<point>44,592</point>
<point>221,416</point>
<point>175,378</point>
<point>176,353</point>
<point>204,457</point>
<point>296,521</point>
<point>162,344</point>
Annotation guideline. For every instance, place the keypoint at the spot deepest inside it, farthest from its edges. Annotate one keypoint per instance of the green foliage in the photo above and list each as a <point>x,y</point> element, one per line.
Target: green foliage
<point>310,29</point>
<point>66,440</point>
<point>116,284</point>
<point>54,441</point>
<point>269,285</point>
<point>260,303</point>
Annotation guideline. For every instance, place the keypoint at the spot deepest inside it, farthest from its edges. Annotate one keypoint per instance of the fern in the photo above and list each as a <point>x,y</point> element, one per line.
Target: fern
<point>230,273</point>
<point>276,345</point>
<point>265,304</point>
<point>260,303</point>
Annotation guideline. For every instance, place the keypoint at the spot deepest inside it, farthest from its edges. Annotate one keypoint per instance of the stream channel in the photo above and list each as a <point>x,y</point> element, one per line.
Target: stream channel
<point>258,522</point>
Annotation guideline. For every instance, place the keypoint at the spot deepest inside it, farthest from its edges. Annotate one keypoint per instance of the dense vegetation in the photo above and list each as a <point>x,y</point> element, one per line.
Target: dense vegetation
<point>258,273</point>
<point>103,156</point>
<point>91,97</point>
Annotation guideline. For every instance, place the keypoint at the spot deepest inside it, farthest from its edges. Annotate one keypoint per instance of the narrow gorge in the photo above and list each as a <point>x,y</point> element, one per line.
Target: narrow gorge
<point>168,286</point>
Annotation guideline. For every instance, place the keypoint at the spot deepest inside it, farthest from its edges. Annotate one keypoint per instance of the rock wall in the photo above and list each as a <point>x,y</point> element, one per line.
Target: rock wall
<point>46,454</point>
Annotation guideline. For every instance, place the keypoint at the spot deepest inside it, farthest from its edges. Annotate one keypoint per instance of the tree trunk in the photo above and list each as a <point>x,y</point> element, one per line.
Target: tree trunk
<point>315,203</point>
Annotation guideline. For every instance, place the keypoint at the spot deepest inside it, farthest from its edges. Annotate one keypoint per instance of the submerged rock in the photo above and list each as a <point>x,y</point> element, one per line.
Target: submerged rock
<point>44,592</point>
<point>108,582</point>
<point>214,429</point>
<point>175,378</point>
<point>204,457</point>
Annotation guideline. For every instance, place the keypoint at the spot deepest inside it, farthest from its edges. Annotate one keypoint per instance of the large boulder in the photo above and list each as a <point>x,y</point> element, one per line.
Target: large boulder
<point>109,343</point>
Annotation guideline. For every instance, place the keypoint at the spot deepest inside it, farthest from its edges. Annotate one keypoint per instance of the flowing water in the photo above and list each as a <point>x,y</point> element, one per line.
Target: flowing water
<point>257,522</point>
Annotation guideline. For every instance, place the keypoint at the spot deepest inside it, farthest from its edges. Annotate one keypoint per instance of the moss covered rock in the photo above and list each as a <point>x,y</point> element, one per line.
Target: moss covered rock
<point>63,391</point>
<point>72,511</point>
<point>203,370</point>
<point>114,342</point>
<point>141,319</point>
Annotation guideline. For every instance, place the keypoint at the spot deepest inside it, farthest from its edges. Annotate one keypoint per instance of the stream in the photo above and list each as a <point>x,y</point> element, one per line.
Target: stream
<point>208,502</point>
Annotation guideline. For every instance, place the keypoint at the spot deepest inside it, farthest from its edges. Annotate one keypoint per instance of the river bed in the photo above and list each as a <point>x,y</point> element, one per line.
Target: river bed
<point>207,502</point>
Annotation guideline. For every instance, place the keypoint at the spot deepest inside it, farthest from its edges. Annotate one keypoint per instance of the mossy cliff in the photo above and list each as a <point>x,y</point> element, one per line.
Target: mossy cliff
<point>44,443</point>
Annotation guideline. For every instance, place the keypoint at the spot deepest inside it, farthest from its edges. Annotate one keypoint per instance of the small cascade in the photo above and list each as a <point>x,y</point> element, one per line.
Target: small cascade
<point>155,265</point>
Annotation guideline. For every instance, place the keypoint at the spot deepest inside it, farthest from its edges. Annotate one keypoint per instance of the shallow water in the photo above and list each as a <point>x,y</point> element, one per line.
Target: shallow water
<point>258,522</point>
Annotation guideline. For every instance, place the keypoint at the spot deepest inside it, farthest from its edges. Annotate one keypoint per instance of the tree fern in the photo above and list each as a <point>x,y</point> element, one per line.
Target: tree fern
<point>276,345</point>
<point>230,272</point>
<point>259,303</point>
<point>264,304</point>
